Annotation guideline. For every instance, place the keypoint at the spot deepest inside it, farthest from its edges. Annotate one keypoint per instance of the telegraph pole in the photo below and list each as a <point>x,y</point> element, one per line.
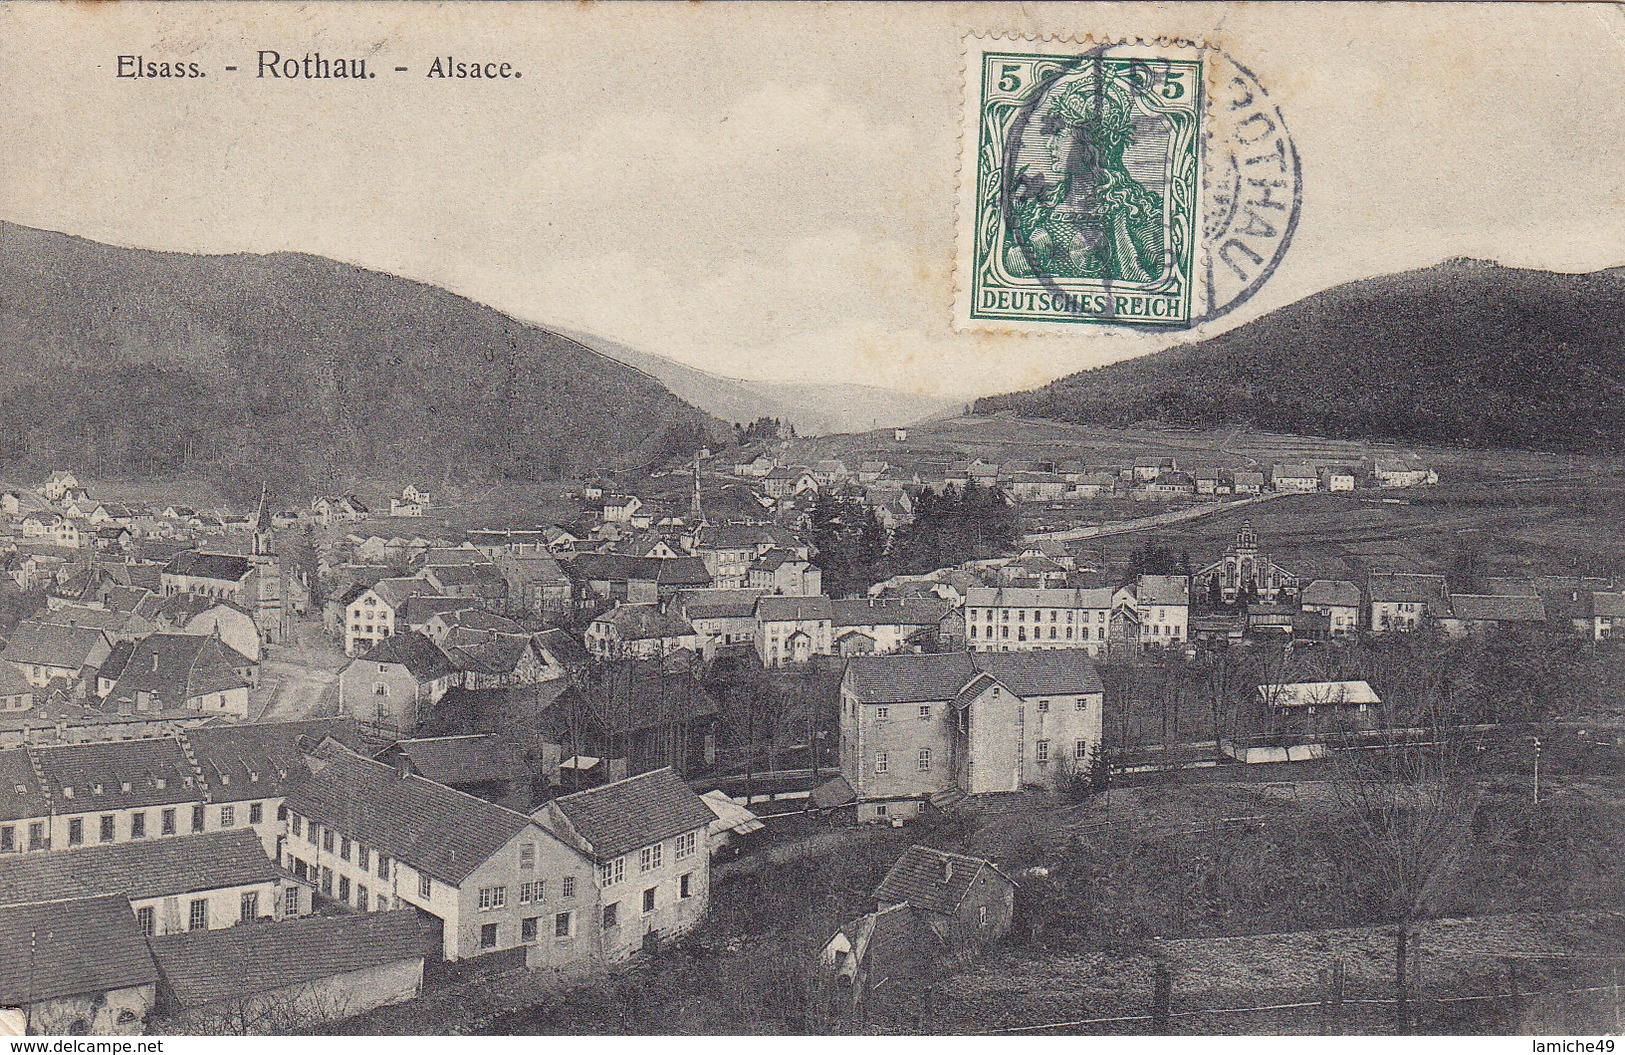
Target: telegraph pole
<point>1537,771</point>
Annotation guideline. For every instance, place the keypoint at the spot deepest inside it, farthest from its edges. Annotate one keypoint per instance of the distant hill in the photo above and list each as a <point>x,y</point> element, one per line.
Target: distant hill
<point>300,370</point>
<point>814,409</point>
<point>1464,353</point>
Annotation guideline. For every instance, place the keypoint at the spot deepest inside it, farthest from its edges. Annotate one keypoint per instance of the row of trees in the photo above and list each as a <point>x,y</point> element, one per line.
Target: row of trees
<point>855,551</point>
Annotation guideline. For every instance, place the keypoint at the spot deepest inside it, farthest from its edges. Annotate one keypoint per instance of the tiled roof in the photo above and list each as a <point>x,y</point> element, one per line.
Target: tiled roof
<point>431,827</point>
<point>1018,597</point>
<point>1335,593</point>
<point>562,645</point>
<point>1403,588</point>
<point>629,814</point>
<point>470,759</point>
<point>394,591</point>
<point>78,947</point>
<point>1488,608</point>
<point>1163,589</point>
<point>422,658</point>
<point>21,795</point>
<point>929,879</point>
<point>150,868</point>
<point>225,567</point>
<point>128,773</point>
<point>207,966</point>
<point>262,759</point>
<point>482,652</point>
<point>1050,672</point>
<point>907,678</point>
<point>904,678</point>
<point>774,608</point>
<point>175,669</point>
<point>420,608</point>
<point>718,604</point>
<point>1608,605</point>
<point>50,645</point>
<point>637,622</point>
<point>892,613</point>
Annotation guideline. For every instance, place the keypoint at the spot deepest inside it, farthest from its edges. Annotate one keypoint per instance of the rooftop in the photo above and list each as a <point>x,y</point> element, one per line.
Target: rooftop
<point>71,947</point>
<point>165,867</point>
<point>208,966</point>
<point>930,879</point>
<point>630,814</point>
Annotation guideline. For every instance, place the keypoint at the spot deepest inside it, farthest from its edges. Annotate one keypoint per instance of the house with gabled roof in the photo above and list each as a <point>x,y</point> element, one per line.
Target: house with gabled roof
<point>648,836</point>
<point>792,630</point>
<point>94,976</point>
<point>639,631</point>
<point>273,977</point>
<point>395,681</point>
<point>945,725</point>
<point>183,672</point>
<point>45,653</point>
<point>376,838</point>
<point>191,882</point>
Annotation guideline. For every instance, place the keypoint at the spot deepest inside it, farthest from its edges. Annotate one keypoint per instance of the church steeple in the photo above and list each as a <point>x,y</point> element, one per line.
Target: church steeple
<point>262,527</point>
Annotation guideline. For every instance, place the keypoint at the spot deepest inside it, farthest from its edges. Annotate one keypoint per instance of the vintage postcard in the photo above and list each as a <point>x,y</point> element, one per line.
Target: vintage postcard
<point>875,520</point>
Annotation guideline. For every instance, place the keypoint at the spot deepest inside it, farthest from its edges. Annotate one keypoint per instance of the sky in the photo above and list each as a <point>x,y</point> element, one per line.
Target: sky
<point>770,191</point>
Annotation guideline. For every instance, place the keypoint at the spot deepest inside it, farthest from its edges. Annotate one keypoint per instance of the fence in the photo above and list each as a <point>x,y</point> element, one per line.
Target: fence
<point>1589,1008</point>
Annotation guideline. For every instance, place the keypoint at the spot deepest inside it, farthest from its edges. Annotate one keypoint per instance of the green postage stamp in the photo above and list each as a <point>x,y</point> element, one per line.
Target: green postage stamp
<point>1088,193</point>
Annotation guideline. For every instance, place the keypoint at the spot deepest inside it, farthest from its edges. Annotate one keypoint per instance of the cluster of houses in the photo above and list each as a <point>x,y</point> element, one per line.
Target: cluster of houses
<point>266,877</point>
<point>889,479</point>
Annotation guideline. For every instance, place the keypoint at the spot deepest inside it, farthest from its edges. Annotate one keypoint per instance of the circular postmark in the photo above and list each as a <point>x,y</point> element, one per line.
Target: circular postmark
<point>1144,186</point>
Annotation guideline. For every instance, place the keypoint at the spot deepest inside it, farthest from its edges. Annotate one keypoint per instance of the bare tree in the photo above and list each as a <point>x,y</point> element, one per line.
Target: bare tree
<point>1406,808</point>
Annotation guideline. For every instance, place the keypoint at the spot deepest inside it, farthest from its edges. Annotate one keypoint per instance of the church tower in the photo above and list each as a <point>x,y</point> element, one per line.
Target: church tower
<point>264,542</point>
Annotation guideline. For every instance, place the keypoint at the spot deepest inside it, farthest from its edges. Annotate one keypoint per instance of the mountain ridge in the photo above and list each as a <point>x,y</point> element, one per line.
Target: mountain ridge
<point>1464,353</point>
<point>300,369</point>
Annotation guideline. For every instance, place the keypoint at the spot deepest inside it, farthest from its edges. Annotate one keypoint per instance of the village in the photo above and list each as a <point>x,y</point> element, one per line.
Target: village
<point>376,763</point>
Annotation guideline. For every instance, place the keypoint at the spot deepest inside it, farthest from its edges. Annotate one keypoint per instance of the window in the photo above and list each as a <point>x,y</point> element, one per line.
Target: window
<point>882,763</point>
<point>327,881</point>
<point>569,886</point>
<point>166,822</point>
<point>527,929</point>
<point>36,835</point>
<point>144,920</point>
<point>527,857</point>
<point>530,891</point>
<point>312,833</point>
<point>248,908</point>
<point>138,825</point>
<point>493,897</point>
<point>1043,706</point>
<point>981,915</point>
<point>198,916</point>
<point>1080,750</point>
<point>648,901</point>
<point>649,858</point>
<point>562,924</point>
<point>488,936</point>
<point>925,712</point>
<point>383,867</point>
<point>686,843</point>
<point>363,857</point>
<point>76,832</point>
<point>197,820</point>
<point>880,810</point>
<point>361,897</point>
<point>685,885</point>
<point>344,848</point>
<point>924,760</point>
<point>256,812</point>
<point>327,839</point>
<point>290,901</point>
<point>882,713</point>
<point>228,816</point>
<point>612,872</point>
<point>1043,751</point>
<point>425,887</point>
<point>1081,704</point>
<point>344,889</point>
<point>612,914</point>
<point>8,839</point>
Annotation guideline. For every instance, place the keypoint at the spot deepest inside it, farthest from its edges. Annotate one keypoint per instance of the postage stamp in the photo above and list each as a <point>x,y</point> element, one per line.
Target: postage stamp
<point>1101,185</point>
